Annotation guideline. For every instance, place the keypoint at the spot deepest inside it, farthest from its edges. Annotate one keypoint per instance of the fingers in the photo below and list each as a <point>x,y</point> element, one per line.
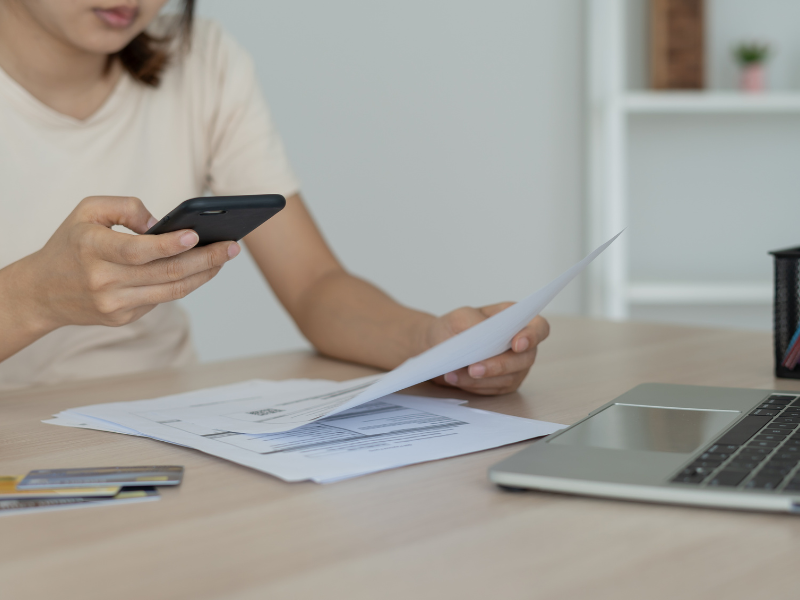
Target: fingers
<point>493,369</point>
<point>167,292</point>
<point>533,334</point>
<point>115,210</point>
<point>183,265</point>
<point>122,306</point>
<point>492,386</point>
<point>521,356</point>
<point>500,374</point>
<point>517,360</point>
<point>126,249</point>
<point>503,364</point>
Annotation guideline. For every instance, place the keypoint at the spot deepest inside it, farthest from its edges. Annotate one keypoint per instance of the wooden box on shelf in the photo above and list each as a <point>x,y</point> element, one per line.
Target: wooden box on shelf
<point>677,49</point>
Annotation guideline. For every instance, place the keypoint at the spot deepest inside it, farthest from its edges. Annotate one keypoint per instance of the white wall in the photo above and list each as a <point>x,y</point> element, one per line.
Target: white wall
<point>439,144</point>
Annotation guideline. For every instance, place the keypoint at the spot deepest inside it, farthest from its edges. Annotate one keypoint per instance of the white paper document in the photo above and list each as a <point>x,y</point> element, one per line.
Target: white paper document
<point>394,431</point>
<point>277,409</point>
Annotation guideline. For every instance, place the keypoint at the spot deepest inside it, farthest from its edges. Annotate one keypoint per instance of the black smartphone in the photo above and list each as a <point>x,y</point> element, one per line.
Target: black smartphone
<point>221,218</point>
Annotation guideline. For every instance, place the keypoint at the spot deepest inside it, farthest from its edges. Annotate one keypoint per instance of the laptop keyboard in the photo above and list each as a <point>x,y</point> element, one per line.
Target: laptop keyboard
<point>761,452</point>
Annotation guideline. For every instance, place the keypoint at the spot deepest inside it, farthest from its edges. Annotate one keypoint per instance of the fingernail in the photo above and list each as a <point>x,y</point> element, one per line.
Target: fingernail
<point>233,250</point>
<point>477,371</point>
<point>189,239</point>
<point>151,221</point>
<point>451,378</point>
<point>522,345</point>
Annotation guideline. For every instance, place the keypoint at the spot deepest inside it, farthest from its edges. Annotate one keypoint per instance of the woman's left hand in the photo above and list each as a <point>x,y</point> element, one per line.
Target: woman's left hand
<point>500,374</point>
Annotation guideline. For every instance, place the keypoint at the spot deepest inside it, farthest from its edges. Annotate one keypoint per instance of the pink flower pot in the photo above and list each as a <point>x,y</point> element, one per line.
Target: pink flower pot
<point>753,78</point>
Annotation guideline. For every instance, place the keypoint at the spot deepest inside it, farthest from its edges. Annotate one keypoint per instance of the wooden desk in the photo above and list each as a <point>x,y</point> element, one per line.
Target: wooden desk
<point>438,530</point>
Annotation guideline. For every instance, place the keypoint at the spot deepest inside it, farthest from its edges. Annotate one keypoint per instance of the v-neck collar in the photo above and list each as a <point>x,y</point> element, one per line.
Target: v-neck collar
<point>33,107</point>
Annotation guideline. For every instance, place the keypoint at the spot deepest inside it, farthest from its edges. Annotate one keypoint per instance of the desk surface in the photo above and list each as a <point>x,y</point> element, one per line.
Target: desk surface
<point>437,530</point>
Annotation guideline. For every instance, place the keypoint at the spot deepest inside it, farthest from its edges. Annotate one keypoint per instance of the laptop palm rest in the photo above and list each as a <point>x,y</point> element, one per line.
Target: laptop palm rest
<point>638,447</point>
<point>649,428</point>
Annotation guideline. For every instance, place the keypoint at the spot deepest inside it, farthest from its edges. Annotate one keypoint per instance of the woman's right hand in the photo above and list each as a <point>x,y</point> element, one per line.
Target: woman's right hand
<point>88,274</point>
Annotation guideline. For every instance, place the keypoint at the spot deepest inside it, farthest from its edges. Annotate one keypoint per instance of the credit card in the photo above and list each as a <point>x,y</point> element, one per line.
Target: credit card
<point>125,496</point>
<point>9,490</point>
<point>95,476</point>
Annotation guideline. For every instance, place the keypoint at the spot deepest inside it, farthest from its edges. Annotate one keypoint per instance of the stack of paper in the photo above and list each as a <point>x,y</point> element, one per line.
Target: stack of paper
<point>395,431</point>
<point>324,430</point>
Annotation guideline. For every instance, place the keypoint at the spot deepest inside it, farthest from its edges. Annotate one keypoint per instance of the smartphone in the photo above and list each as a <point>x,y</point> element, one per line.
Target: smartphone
<point>221,218</point>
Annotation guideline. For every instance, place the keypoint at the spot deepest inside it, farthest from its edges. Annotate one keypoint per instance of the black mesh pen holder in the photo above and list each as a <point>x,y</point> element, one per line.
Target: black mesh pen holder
<point>786,313</point>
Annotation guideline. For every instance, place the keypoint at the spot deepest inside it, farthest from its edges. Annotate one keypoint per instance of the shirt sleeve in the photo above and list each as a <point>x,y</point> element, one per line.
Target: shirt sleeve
<point>245,151</point>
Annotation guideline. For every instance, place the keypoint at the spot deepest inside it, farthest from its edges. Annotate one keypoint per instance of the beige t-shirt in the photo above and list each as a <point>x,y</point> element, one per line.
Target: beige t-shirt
<point>206,127</point>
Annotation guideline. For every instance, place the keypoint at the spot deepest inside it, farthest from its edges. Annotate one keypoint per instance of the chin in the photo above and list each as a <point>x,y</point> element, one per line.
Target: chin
<point>105,42</point>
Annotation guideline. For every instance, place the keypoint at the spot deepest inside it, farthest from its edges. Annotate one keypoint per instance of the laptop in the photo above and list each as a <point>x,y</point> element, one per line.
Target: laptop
<point>704,446</point>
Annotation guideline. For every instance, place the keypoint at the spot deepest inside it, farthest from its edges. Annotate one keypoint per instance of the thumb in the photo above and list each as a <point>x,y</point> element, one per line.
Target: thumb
<point>462,319</point>
<point>116,210</point>
<point>492,309</point>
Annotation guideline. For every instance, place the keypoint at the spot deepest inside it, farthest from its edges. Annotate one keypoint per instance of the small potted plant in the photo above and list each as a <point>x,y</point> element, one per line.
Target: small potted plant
<point>751,57</point>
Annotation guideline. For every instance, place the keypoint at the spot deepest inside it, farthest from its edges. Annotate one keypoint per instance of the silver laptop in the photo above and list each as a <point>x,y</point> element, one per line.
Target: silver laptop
<point>706,446</point>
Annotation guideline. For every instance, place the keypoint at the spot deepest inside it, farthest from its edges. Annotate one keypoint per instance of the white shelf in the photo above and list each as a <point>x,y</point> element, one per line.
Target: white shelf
<point>710,102</point>
<point>610,106</point>
<point>722,293</point>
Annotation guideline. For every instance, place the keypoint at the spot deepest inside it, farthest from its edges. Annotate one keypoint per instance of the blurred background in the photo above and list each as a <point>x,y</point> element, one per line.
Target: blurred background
<point>462,152</point>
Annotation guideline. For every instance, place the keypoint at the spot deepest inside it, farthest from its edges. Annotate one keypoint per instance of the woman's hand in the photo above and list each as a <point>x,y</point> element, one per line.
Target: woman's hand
<point>500,374</point>
<point>88,274</point>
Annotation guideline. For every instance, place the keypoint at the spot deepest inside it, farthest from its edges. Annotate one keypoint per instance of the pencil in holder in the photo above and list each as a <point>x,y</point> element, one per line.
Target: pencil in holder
<point>786,313</point>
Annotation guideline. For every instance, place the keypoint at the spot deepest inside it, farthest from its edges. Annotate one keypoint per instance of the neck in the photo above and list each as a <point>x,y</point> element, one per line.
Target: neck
<point>65,78</point>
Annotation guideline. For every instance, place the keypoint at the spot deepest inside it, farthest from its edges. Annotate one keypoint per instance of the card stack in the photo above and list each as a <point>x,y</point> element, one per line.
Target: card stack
<point>49,489</point>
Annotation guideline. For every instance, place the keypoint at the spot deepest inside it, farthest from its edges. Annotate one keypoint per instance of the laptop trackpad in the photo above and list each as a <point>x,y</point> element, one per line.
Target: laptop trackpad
<point>632,427</point>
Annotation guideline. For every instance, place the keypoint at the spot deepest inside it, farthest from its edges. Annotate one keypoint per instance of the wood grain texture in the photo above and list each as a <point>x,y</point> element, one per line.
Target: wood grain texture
<point>437,530</point>
<point>677,44</point>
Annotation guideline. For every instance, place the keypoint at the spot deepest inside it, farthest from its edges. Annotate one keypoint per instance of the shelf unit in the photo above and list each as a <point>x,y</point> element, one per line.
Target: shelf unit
<point>609,107</point>
<point>709,103</point>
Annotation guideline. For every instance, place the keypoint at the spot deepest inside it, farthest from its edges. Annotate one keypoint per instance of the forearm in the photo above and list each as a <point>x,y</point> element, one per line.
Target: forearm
<point>343,316</point>
<point>348,318</point>
<point>20,325</point>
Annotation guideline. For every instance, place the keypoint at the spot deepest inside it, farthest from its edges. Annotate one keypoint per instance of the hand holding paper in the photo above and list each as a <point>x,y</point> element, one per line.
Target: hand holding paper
<point>501,374</point>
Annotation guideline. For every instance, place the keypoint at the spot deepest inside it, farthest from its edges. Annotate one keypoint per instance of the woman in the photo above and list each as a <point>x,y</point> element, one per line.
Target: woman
<point>97,113</point>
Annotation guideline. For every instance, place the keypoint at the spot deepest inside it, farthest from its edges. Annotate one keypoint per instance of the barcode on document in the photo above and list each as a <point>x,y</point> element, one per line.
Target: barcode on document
<point>265,411</point>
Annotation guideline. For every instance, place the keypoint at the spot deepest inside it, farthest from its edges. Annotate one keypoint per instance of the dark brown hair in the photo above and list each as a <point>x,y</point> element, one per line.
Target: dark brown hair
<point>146,56</point>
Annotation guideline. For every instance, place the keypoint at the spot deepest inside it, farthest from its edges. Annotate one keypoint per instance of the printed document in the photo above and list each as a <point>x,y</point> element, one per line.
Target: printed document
<point>395,431</point>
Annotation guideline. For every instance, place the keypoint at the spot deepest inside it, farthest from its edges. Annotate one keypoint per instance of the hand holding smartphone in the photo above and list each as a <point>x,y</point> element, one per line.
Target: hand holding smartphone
<point>220,218</point>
